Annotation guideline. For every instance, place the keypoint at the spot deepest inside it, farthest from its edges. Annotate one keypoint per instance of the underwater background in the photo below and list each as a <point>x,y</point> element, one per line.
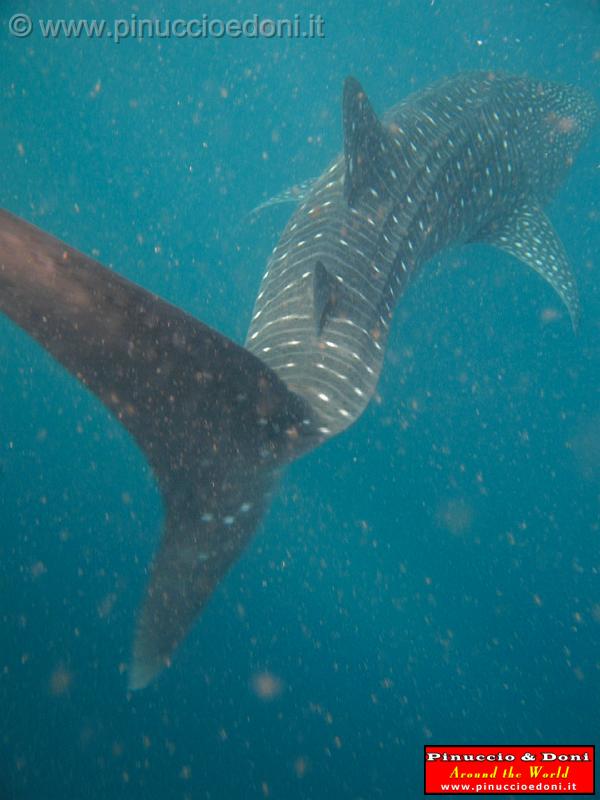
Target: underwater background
<point>430,576</point>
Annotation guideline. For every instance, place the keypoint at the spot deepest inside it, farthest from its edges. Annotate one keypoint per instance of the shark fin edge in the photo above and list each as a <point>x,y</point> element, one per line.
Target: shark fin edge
<point>143,671</point>
<point>528,234</point>
<point>294,194</point>
<point>373,157</point>
<point>215,423</point>
<point>364,141</point>
<point>326,296</point>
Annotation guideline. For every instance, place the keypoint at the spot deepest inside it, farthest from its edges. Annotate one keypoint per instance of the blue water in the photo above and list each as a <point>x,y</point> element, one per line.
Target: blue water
<point>431,576</point>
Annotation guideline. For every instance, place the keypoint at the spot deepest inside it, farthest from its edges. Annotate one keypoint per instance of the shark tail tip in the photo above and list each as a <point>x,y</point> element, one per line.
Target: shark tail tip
<point>144,669</point>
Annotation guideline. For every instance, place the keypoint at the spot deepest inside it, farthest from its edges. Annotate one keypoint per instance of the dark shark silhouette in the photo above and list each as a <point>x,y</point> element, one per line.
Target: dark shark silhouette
<point>471,159</point>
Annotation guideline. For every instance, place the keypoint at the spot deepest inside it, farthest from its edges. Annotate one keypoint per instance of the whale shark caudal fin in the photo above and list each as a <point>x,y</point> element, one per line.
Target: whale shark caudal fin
<point>215,423</point>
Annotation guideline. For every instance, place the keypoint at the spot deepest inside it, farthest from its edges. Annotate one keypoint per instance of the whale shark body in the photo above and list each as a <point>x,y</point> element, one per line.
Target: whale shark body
<point>471,159</point>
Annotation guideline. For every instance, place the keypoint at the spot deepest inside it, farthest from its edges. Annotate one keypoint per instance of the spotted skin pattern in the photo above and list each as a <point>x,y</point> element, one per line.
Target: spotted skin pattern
<point>472,158</point>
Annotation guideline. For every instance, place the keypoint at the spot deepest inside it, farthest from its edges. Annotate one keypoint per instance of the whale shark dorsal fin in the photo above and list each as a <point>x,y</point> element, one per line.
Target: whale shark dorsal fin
<point>365,141</point>
<point>214,422</point>
<point>529,235</point>
<point>326,296</point>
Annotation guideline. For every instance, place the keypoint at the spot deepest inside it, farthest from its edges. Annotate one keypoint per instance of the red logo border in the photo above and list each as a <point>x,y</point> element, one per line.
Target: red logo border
<point>492,794</point>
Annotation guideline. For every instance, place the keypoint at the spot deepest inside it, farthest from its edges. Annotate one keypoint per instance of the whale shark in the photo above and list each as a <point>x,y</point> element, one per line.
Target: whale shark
<point>472,158</point>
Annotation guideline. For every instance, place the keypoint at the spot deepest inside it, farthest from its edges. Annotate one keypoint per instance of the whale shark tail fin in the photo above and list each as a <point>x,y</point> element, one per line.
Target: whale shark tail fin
<point>215,423</point>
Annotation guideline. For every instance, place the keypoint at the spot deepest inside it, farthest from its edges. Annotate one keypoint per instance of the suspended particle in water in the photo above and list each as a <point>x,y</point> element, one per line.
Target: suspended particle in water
<point>455,515</point>
<point>60,681</point>
<point>266,685</point>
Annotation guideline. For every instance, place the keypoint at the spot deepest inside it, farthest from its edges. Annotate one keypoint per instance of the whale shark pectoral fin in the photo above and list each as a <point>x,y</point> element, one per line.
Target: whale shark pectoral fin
<point>529,235</point>
<point>294,194</point>
<point>365,143</point>
<point>213,420</point>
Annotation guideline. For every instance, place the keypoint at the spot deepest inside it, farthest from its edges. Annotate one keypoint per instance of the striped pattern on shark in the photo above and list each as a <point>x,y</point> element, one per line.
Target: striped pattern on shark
<point>471,159</point>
